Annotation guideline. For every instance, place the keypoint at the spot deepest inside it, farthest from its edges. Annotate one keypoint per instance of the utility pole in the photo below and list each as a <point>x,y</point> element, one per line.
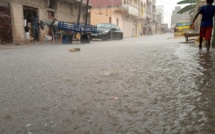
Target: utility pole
<point>79,11</point>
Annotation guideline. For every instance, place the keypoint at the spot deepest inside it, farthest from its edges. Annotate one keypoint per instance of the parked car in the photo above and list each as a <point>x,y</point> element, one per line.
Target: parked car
<point>181,28</point>
<point>107,31</point>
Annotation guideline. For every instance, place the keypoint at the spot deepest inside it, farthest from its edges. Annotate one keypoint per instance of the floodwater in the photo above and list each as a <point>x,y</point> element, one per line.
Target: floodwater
<point>150,85</point>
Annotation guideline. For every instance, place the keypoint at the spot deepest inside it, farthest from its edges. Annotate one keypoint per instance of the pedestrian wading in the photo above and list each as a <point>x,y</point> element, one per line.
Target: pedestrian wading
<point>206,26</point>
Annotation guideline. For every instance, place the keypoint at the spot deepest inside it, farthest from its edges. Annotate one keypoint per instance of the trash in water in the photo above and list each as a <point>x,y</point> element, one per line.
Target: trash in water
<point>114,98</point>
<point>74,50</point>
<point>28,125</point>
<point>47,38</point>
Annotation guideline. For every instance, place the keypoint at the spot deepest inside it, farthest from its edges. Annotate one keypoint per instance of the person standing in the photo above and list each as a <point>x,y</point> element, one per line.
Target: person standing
<point>206,27</point>
<point>35,26</point>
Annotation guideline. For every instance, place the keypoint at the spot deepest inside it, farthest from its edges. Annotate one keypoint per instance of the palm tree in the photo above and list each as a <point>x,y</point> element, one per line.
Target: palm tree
<point>190,6</point>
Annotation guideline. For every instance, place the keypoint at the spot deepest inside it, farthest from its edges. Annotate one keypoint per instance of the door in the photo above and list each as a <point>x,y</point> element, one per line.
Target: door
<point>5,24</point>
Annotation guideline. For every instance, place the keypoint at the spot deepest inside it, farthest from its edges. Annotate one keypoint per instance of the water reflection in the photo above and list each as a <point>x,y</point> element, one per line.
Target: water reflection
<point>202,67</point>
<point>207,88</point>
<point>205,59</point>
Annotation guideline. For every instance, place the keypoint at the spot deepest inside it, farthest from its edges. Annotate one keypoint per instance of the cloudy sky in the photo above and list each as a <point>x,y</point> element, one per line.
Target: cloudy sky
<point>169,6</point>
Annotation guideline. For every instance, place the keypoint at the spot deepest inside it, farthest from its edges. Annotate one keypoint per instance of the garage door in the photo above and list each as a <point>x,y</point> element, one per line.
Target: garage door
<point>5,24</point>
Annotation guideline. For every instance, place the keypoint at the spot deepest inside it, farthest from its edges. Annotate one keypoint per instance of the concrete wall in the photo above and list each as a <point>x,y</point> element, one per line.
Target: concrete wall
<point>118,16</point>
<point>65,11</point>
<point>18,17</point>
<point>198,20</point>
<point>69,12</point>
<point>102,15</point>
<point>128,29</point>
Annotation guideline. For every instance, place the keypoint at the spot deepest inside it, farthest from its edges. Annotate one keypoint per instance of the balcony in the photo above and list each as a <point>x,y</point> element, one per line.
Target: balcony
<point>132,10</point>
<point>148,14</point>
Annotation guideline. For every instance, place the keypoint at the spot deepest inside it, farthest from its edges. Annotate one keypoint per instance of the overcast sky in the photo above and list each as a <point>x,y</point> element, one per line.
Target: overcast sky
<point>169,6</point>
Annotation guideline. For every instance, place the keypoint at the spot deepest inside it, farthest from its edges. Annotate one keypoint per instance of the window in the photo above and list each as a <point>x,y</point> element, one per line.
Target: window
<point>51,15</point>
<point>110,20</point>
<point>179,24</point>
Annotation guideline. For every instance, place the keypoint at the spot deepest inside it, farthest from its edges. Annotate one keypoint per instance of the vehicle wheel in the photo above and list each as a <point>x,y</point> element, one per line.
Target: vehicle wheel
<point>107,37</point>
<point>91,38</point>
<point>85,39</point>
<point>66,39</point>
<point>121,37</point>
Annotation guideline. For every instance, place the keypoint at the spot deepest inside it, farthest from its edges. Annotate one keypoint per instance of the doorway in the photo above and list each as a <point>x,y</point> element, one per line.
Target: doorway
<point>28,12</point>
<point>5,24</point>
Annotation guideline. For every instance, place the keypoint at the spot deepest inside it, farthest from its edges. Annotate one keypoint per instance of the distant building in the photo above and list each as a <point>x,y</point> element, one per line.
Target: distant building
<point>160,11</point>
<point>178,17</point>
<point>129,15</point>
<point>150,14</point>
<point>16,14</point>
<point>164,28</point>
<point>159,15</point>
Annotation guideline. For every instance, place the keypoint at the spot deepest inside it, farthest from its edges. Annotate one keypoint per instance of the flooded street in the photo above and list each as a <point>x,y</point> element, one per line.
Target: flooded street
<point>145,85</point>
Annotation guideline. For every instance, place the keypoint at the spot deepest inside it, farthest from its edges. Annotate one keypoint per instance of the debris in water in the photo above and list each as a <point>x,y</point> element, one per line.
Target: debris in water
<point>28,125</point>
<point>47,38</point>
<point>114,98</point>
<point>74,50</point>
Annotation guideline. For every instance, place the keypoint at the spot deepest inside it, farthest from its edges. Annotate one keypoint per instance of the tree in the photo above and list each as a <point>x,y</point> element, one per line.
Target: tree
<point>190,7</point>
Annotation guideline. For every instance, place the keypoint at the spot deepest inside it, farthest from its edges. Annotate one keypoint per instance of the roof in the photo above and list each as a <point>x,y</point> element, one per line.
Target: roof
<point>105,3</point>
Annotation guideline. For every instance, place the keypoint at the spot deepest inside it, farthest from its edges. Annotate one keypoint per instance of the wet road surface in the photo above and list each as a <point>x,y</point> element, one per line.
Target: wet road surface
<point>146,85</point>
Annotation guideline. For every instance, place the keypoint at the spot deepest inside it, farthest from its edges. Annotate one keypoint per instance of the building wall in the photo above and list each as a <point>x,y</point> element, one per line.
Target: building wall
<point>69,12</point>
<point>130,14</point>
<point>117,16</point>
<point>198,20</point>
<point>65,12</point>
<point>106,15</point>
<point>18,17</point>
<point>178,17</point>
<point>128,29</point>
<point>160,11</point>
<point>100,15</point>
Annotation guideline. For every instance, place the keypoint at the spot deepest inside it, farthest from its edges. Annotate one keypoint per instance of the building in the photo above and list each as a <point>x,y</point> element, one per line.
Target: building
<point>164,28</point>
<point>178,17</point>
<point>160,20</point>
<point>150,12</point>
<point>107,11</point>
<point>127,14</point>
<point>14,14</point>
<point>160,11</point>
<point>198,20</point>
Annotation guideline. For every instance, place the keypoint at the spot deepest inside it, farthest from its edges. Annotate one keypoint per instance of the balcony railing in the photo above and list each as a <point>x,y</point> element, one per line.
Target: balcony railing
<point>132,10</point>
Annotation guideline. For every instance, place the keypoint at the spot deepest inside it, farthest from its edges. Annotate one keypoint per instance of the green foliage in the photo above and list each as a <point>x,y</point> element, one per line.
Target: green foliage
<point>187,2</point>
<point>190,8</point>
<point>187,8</point>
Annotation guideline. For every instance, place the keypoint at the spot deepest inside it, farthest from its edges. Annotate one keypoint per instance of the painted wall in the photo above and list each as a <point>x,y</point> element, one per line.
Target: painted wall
<point>117,16</point>
<point>18,17</point>
<point>128,29</point>
<point>102,15</point>
<point>65,11</point>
